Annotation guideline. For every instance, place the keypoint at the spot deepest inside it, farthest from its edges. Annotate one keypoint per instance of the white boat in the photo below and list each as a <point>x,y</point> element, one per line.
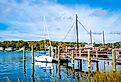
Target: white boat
<point>44,58</point>
<point>44,65</point>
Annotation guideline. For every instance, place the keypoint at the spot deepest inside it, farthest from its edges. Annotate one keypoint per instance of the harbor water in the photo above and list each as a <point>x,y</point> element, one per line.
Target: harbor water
<point>15,67</point>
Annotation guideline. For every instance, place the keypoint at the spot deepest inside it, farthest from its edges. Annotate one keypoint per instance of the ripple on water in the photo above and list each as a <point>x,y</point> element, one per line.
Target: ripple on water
<point>9,68</point>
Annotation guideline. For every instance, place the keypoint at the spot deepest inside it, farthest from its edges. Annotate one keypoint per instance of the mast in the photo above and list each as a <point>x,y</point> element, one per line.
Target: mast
<point>46,31</point>
<point>90,36</point>
<point>77,31</point>
<point>103,39</point>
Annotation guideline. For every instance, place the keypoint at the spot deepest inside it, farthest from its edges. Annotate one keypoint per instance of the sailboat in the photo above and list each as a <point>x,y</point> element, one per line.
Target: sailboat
<point>44,58</point>
<point>48,57</point>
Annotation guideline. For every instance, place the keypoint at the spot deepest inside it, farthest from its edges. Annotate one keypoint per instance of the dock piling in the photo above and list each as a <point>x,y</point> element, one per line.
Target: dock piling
<point>114,60</point>
<point>32,47</point>
<point>50,51</point>
<point>89,60</point>
<point>97,55</point>
<point>72,57</point>
<point>58,54</point>
<point>66,51</point>
<point>79,51</point>
<point>55,53</point>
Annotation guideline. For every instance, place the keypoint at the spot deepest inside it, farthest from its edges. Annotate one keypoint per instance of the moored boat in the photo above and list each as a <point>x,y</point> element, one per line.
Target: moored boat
<point>44,65</point>
<point>44,58</point>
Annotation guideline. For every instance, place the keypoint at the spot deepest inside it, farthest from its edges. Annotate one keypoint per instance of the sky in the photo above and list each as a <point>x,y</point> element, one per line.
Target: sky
<point>55,20</point>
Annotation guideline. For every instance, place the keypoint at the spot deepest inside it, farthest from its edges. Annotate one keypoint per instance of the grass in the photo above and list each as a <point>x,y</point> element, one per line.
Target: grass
<point>107,77</point>
<point>95,77</point>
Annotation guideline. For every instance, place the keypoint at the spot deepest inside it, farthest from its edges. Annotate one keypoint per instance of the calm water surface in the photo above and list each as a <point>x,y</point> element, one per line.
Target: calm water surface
<point>14,67</point>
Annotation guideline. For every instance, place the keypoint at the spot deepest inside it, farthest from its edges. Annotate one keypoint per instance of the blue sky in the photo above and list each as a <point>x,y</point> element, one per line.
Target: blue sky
<point>106,4</point>
<point>40,19</point>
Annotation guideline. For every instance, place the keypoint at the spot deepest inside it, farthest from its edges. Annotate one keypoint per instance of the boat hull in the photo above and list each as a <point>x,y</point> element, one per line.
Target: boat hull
<point>44,65</point>
<point>44,58</point>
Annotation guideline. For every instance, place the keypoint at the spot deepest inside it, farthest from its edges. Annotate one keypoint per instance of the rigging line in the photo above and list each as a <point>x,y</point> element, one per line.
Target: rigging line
<point>68,31</point>
<point>86,30</point>
<point>84,27</point>
<point>46,30</point>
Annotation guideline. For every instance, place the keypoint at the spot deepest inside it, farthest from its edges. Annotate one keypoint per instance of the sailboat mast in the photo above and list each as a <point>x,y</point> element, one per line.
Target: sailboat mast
<point>77,31</point>
<point>90,36</point>
<point>103,39</point>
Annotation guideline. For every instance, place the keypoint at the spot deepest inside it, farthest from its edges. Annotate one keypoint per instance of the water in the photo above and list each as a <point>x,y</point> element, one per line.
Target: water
<point>14,67</point>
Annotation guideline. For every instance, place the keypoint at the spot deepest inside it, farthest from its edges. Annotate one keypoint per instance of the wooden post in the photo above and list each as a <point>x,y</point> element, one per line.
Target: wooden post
<point>59,63</point>
<point>97,55</point>
<point>32,47</point>
<point>58,54</point>
<point>89,60</point>
<point>72,56</point>
<point>66,51</point>
<point>32,50</point>
<point>114,60</point>
<point>50,51</point>
<point>117,54</point>
<point>55,52</point>
<point>80,54</point>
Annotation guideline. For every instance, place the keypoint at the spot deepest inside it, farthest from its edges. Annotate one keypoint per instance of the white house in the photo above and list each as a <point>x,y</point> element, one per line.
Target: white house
<point>9,49</point>
<point>1,48</point>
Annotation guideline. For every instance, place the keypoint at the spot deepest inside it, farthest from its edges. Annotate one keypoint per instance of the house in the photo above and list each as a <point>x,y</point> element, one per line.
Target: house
<point>88,45</point>
<point>9,49</point>
<point>28,49</point>
<point>1,48</point>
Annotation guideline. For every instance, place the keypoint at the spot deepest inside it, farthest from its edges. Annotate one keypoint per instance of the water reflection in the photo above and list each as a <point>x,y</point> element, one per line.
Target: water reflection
<point>73,71</point>
<point>33,80</point>
<point>97,66</point>
<point>59,75</point>
<point>24,64</point>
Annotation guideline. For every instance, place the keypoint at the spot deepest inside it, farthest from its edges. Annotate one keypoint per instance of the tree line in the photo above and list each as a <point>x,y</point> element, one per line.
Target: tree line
<point>39,45</point>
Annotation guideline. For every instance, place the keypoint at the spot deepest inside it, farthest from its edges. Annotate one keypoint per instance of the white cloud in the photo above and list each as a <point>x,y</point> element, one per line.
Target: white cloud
<point>26,19</point>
